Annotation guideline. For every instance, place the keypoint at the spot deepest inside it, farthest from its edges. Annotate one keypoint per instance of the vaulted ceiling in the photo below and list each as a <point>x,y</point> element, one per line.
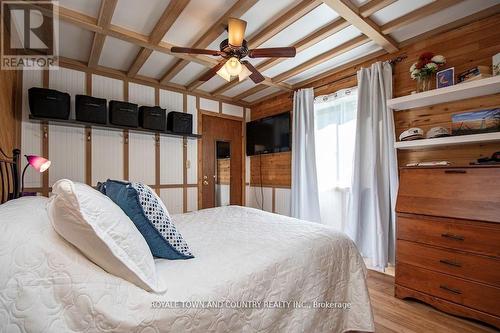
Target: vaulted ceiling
<point>134,37</point>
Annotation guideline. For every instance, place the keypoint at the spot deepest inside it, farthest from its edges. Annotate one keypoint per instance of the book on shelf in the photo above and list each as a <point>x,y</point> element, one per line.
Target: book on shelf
<point>476,73</point>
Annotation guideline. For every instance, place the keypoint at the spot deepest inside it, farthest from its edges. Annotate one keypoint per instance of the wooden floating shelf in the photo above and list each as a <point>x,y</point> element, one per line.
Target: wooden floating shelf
<point>76,123</point>
<point>457,92</point>
<point>449,141</point>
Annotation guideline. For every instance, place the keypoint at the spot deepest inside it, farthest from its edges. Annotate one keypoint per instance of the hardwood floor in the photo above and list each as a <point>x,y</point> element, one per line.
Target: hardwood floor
<point>408,316</point>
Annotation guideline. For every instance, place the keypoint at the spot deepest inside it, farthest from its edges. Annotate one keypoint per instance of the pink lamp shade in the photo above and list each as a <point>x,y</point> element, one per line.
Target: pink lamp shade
<point>38,163</point>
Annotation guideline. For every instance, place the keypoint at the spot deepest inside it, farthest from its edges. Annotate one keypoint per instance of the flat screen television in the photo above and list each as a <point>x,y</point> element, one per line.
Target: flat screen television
<point>269,135</point>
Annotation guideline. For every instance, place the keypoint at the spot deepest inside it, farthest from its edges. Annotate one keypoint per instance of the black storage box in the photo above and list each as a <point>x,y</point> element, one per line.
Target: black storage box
<point>152,117</point>
<point>180,122</point>
<point>91,109</point>
<point>123,114</point>
<point>48,103</point>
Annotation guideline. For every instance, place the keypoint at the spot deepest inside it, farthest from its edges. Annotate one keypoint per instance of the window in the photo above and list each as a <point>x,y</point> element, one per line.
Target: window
<point>335,132</point>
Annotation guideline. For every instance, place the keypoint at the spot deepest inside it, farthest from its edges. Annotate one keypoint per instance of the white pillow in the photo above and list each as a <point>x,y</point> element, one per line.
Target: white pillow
<point>100,229</point>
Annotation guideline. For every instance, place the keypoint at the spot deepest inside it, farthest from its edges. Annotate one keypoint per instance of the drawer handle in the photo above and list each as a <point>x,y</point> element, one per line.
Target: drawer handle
<point>451,290</point>
<point>450,262</point>
<point>454,237</point>
<point>455,171</point>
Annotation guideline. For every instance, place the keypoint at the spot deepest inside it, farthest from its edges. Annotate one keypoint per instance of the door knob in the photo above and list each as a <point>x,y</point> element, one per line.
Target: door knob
<point>205,183</point>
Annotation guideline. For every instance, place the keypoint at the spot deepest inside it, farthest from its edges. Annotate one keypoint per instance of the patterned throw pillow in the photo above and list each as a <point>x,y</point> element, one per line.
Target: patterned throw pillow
<point>150,216</point>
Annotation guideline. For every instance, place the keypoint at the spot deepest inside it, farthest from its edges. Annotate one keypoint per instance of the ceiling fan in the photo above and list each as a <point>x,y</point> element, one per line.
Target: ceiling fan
<point>232,50</point>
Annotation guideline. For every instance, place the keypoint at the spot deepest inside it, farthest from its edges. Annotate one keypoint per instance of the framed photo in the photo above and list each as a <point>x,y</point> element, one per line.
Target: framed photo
<point>476,122</point>
<point>496,64</point>
<point>445,78</point>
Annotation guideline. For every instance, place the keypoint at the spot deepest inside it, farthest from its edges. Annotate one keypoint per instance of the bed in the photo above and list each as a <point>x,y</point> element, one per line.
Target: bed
<point>248,264</point>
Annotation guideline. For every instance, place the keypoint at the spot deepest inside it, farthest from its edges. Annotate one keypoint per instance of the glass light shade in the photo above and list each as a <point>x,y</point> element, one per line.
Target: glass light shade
<point>224,74</point>
<point>233,66</point>
<point>245,72</point>
<point>38,163</point>
<point>236,31</point>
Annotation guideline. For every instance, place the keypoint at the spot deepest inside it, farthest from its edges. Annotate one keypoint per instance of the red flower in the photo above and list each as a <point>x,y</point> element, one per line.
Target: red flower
<point>420,64</point>
<point>426,56</point>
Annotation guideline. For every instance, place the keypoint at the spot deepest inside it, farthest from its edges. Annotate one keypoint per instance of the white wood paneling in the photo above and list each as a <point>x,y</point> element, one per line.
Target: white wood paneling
<point>173,199</point>
<point>142,158</point>
<point>67,153</point>
<point>209,105</point>
<point>69,81</point>
<point>138,16</point>
<point>108,88</point>
<point>171,100</point>
<point>254,197</point>
<point>107,155</point>
<point>192,161</point>
<point>118,54</point>
<point>192,199</point>
<point>233,110</point>
<point>282,201</point>
<point>71,35</point>
<point>31,133</point>
<point>191,108</point>
<point>247,169</point>
<point>141,94</point>
<point>171,160</point>
<point>248,113</point>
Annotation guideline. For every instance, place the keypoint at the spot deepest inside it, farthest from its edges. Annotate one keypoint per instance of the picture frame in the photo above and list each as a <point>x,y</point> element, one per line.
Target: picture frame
<point>496,64</point>
<point>445,78</point>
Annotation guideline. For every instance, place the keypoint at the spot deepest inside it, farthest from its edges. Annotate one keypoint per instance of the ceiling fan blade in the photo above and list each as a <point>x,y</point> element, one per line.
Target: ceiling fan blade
<point>212,71</point>
<point>256,77</point>
<point>176,49</point>
<point>236,31</point>
<point>273,52</point>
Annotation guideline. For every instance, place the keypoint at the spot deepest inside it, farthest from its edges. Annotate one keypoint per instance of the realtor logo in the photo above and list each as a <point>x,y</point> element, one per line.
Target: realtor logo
<point>29,35</point>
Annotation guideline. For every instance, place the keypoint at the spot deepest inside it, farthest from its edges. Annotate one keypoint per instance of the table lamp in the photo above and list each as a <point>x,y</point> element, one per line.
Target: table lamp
<point>38,163</point>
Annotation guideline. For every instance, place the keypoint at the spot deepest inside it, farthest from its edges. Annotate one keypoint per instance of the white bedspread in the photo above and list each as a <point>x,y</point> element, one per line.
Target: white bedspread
<point>242,254</point>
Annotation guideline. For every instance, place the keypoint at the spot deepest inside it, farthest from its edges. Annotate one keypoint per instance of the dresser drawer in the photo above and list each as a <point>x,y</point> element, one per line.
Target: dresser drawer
<point>476,237</point>
<point>468,266</point>
<point>471,294</point>
<point>467,193</point>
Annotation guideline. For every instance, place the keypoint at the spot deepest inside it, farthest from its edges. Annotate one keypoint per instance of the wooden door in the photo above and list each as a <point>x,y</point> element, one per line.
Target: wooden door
<point>221,129</point>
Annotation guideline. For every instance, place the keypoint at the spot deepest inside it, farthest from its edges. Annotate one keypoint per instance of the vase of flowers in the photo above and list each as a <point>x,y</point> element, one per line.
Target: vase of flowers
<point>425,68</point>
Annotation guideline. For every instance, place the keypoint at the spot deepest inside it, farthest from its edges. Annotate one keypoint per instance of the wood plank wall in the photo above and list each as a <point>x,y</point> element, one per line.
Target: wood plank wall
<point>464,47</point>
<point>10,134</point>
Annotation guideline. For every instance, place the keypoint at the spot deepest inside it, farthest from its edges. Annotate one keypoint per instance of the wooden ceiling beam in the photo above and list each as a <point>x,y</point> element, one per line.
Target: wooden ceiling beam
<point>104,20</point>
<point>308,41</point>
<point>374,6</point>
<point>90,23</point>
<point>335,52</point>
<point>417,14</point>
<point>139,79</point>
<point>490,11</point>
<point>169,16</point>
<point>250,92</point>
<point>238,9</point>
<point>272,29</point>
<point>351,13</point>
<point>280,23</point>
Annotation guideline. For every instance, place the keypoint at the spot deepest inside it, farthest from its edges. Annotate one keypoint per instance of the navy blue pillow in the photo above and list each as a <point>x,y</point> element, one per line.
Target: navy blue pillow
<point>149,215</point>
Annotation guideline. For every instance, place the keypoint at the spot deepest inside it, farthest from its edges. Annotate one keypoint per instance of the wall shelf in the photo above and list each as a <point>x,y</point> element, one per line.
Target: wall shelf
<point>457,92</point>
<point>76,123</point>
<point>448,141</point>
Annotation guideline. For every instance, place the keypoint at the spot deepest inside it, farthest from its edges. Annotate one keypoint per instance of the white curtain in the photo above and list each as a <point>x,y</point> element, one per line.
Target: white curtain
<point>305,202</point>
<point>371,220</point>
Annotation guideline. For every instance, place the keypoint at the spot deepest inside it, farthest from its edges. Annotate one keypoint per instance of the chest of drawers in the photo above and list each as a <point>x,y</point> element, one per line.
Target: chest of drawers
<point>448,240</point>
